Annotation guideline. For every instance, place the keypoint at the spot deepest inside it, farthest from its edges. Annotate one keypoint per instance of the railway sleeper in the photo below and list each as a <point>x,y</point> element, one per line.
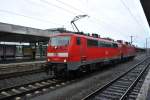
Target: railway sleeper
<point>138,87</point>
<point>101,98</point>
<point>108,96</point>
<point>120,86</point>
<point>123,84</point>
<point>32,86</point>
<point>50,81</point>
<point>134,93</point>
<point>131,96</point>
<point>115,90</point>
<point>39,84</point>
<point>132,75</point>
<point>21,90</point>
<point>136,72</point>
<point>45,83</point>
<point>24,88</point>
<point>135,90</point>
<point>112,93</point>
<point>2,96</point>
<point>5,93</point>
<point>16,91</point>
<point>126,79</point>
<point>11,92</point>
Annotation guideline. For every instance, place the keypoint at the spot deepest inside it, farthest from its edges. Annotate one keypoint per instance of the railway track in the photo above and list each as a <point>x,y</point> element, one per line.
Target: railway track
<point>16,74</point>
<point>124,87</point>
<point>21,92</point>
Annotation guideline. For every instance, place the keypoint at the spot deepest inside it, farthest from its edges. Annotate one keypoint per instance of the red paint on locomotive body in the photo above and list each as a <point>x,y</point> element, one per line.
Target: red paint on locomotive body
<point>75,50</point>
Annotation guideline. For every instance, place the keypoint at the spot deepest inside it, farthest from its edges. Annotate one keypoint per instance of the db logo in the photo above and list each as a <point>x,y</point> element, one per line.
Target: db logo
<point>106,52</point>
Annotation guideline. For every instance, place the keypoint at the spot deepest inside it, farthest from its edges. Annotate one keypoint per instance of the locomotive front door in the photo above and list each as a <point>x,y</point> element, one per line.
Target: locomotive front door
<point>83,50</point>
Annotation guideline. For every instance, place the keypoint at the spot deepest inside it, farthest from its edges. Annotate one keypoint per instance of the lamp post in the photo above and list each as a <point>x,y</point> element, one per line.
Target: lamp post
<point>146,46</point>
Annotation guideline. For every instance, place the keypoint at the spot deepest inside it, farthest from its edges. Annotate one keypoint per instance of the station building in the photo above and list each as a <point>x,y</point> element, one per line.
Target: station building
<point>19,42</point>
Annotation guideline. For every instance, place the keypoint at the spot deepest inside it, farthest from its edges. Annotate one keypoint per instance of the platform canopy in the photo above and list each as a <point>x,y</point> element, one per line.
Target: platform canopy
<point>14,37</point>
<point>16,33</point>
<point>146,7</point>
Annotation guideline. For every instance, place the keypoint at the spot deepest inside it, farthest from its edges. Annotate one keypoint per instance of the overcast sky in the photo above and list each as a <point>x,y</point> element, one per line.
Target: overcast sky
<point>118,19</point>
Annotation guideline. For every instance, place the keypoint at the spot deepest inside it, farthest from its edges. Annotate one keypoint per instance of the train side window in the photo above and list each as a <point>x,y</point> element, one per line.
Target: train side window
<point>115,45</point>
<point>100,44</point>
<point>92,43</point>
<point>104,44</point>
<point>78,41</point>
<point>109,45</point>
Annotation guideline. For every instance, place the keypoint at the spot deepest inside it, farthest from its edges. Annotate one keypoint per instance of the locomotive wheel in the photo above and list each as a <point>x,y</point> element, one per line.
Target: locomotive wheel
<point>61,74</point>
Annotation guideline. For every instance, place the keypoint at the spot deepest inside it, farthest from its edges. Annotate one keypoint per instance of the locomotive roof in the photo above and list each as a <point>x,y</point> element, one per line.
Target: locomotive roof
<point>89,37</point>
<point>85,36</point>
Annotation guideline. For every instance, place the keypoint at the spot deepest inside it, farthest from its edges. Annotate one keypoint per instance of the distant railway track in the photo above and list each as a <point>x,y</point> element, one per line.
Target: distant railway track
<point>123,87</point>
<point>16,74</point>
<point>21,69</point>
<point>21,91</point>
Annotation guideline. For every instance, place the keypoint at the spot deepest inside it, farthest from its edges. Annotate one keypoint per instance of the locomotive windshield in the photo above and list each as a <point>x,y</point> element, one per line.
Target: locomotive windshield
<point>59,41</point>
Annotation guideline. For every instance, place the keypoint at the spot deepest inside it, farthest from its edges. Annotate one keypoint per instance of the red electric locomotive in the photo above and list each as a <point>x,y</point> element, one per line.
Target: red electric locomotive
<point>69,52</point>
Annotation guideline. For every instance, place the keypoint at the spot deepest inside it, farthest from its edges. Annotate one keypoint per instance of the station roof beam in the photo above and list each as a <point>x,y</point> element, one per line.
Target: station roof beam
<point>146,7</point>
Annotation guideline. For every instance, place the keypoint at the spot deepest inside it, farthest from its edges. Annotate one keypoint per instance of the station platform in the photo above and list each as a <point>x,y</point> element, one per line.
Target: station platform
<point>13,66</point>
<point>20,60</point>
<point>144,93</point>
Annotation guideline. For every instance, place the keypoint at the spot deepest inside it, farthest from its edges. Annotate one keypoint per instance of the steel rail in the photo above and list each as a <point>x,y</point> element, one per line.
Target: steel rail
<point>29,91</point>
<point>24,85</point>
<point>134,83</point>
<point>111,82</point>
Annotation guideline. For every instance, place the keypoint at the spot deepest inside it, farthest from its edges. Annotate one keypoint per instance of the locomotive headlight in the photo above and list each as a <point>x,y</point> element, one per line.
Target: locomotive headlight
<point>48,60</point>
<point>65,60</point>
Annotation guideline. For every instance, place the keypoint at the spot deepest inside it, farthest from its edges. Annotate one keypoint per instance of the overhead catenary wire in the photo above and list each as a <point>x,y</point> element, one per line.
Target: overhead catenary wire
<point>131,14</point>
<point>33,18</point>
<point>70,6</point>
<point>59,7</point>
<point>66,9</point>
<point>137,21</point>
<point>80,10</point>
<point>69,11</point>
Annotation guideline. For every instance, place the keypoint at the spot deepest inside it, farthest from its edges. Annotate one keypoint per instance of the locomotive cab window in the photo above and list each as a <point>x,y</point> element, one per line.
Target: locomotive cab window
<point>78,41</point>
<point>59,40</point>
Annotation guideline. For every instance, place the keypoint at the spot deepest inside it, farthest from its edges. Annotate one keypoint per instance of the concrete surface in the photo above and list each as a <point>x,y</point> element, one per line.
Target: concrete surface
<point>144,93</point>
<point>20,67</point>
